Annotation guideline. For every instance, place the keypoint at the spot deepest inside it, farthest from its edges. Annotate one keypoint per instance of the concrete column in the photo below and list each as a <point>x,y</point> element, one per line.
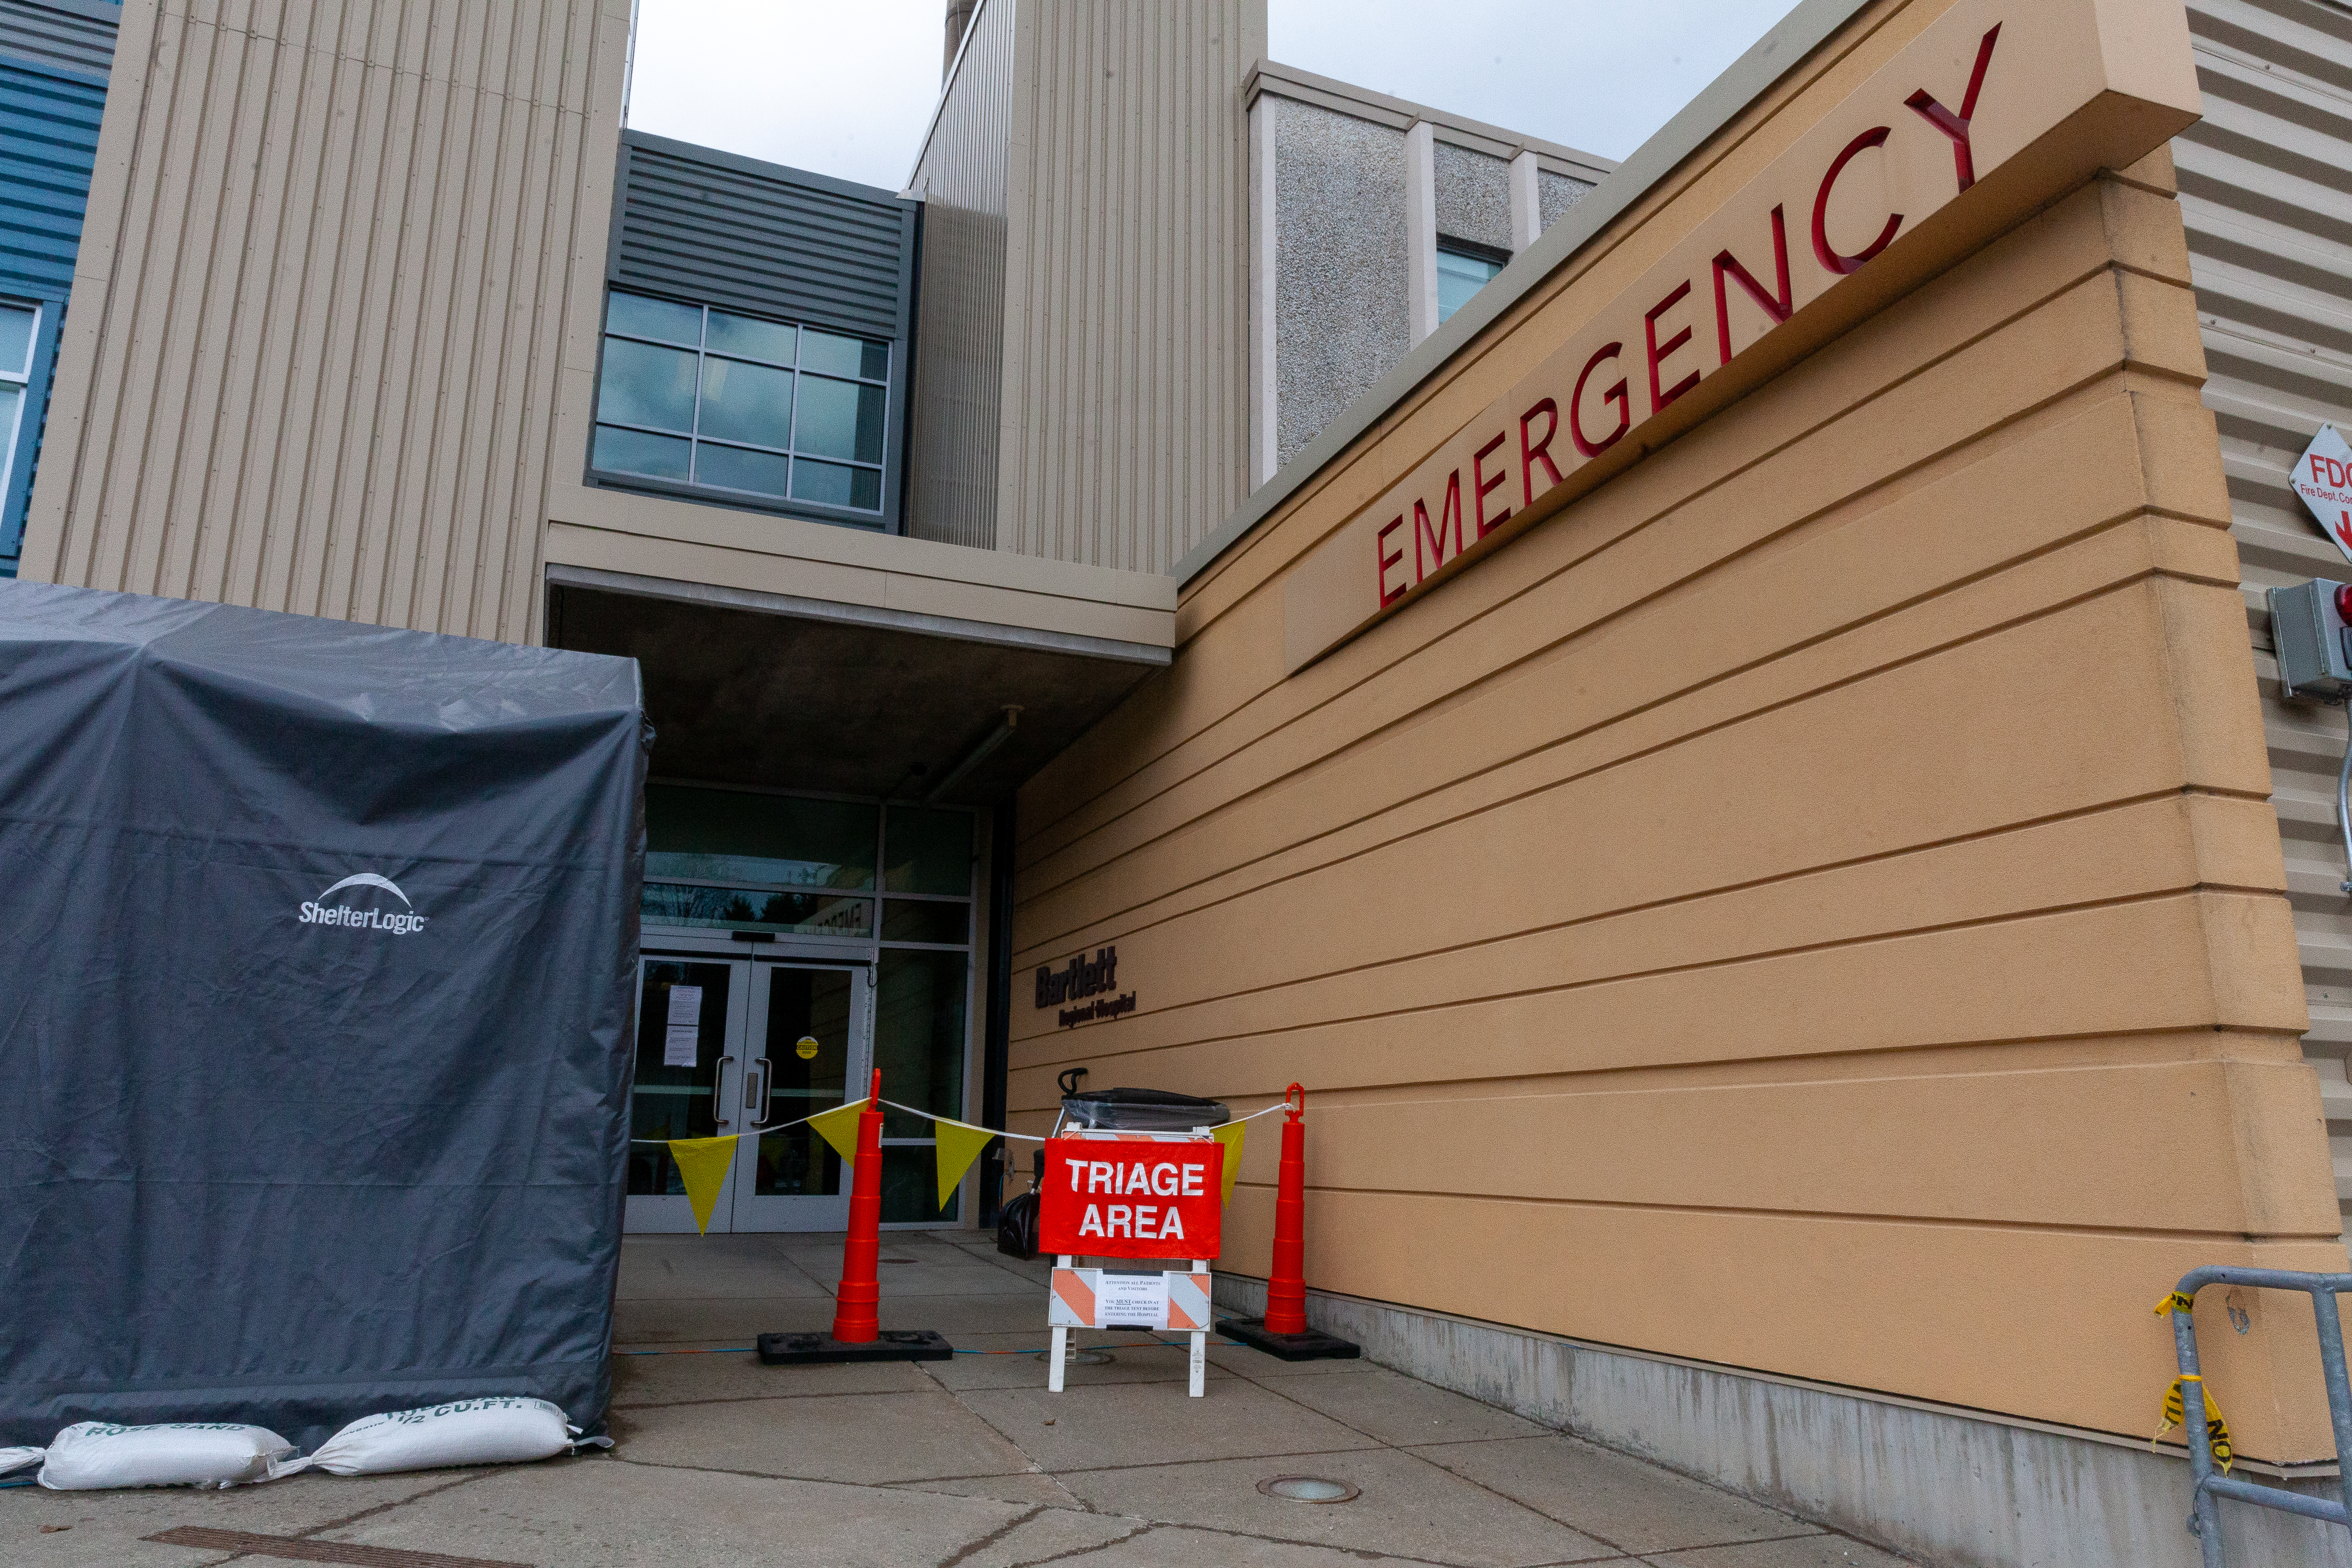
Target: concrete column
<point>629,64</point>
<point>1263,339</point>
<point>1421,229</point>
<point>959,12</point>
<point>1527,202</point>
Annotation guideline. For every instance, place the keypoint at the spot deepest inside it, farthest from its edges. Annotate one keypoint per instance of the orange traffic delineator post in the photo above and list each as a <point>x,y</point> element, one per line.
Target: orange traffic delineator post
<point>858,1332</point>
<point>1282,1331</point>
<point>855,1319</point>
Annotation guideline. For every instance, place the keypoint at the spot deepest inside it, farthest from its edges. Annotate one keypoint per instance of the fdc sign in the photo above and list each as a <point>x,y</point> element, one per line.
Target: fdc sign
<point>1145,1198</point>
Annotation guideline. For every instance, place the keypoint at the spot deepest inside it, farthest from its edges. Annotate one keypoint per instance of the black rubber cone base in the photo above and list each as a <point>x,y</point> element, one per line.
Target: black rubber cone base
<point>1308,1346</point>
<point>894,1344</point>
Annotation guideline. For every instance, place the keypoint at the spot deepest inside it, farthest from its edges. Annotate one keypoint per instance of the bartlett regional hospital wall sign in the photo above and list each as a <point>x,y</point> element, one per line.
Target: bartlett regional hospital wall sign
<point>1994,109</point>
<point>1082,978</point>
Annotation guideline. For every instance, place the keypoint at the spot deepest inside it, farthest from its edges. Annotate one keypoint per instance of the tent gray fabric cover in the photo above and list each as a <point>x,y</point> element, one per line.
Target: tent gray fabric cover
<point>283,1145</point>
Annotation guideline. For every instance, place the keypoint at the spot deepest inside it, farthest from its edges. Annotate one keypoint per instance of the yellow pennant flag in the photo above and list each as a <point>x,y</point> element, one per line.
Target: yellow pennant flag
<point>838,1127</point>
<point>702,1162</point>
<point>957,1146</point>
<point>1230,1135</point>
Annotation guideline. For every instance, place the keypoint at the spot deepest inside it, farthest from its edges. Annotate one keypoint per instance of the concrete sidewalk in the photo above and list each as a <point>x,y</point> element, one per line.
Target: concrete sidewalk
<point>721,1461</point>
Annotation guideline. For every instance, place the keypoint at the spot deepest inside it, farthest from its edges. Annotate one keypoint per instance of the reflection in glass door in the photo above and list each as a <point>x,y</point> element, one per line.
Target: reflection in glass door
<point>827,884</point>
<point>811,1056</point>
<point>729,1046</point>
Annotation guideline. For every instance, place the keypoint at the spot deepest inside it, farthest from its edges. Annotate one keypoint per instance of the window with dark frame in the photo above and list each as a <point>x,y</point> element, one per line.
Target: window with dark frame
<point>20,333</point>
<point>1463,269</point>
<point>741,404</point>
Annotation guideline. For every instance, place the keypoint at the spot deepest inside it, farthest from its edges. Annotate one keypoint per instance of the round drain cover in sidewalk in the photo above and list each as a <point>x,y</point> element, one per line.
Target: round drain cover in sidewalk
<point>1308,1488</point>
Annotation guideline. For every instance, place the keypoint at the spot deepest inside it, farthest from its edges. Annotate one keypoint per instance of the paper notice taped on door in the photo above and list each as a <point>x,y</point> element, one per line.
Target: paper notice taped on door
<point>682,1042</point>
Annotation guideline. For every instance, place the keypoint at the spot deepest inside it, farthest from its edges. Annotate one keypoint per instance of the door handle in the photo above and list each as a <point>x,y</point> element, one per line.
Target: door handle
<point>718,1105</point>
<point>757,1105</point>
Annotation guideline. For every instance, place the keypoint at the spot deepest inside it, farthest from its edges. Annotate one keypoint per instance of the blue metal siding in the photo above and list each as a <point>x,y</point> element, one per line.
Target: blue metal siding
<point>49,142</point>
<point>78,34</point>
<point>48,139</point>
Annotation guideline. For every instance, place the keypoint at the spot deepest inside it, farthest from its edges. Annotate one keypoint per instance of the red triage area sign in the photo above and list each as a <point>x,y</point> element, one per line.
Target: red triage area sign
<point>1119,1197</point>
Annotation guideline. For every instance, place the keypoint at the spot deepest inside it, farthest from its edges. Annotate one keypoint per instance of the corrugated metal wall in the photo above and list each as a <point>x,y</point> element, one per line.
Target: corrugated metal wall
<point>1127,317</point>
<point>2266,189</point>
<point>1081,379</point>
<point>957,407</point>
<point>73,35</point>
<point>723,230</point>
<point>313,356</point>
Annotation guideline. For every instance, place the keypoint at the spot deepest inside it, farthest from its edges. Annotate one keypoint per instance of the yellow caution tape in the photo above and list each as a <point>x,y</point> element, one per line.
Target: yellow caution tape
<point>2175,1301</point>
<point>2217,1431</point>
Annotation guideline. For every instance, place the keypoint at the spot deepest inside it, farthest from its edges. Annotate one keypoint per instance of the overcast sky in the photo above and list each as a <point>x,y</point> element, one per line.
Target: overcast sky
<point>845,86</point>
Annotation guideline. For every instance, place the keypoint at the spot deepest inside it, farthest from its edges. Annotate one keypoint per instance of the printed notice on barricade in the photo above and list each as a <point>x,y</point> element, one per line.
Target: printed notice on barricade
<point>1132,1197</point>
<point>1132,1300</point>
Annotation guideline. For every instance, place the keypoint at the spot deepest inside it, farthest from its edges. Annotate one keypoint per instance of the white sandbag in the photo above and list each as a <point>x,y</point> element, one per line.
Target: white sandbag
<point>17,1458</point>
<point>501,1430</point>
<point>92,1454</point>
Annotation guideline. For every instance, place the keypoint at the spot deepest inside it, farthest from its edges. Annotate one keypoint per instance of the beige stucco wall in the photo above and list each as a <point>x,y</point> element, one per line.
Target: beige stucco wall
<point>1811,904</point>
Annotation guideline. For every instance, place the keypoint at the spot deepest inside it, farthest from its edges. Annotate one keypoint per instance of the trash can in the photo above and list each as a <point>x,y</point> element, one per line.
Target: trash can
<point>1141,1110</point>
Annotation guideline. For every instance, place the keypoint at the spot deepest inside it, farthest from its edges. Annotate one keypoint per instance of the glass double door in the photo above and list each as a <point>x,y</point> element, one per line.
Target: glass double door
<point>729,1044</point>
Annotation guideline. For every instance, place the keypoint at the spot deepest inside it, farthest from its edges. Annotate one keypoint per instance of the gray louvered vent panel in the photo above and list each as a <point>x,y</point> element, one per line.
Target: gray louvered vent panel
<point>74,34</point>
<point>726,231</point>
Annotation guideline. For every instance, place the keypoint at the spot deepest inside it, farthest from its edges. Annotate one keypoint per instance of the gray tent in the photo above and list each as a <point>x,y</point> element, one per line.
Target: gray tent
<point>317,957</point>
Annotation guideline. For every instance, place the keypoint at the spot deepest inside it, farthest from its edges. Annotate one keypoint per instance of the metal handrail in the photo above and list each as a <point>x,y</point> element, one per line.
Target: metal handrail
<point>2205,1518</point>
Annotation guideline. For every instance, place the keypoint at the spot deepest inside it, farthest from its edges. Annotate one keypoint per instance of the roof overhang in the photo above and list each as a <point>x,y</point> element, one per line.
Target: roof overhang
<point>783,691</point>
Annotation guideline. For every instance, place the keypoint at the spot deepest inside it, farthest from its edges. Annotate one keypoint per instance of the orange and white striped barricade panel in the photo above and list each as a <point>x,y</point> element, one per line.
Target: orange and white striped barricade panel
<point>1171,1300</point>
<point>1188,1309</point>
<point>1071,1304</point>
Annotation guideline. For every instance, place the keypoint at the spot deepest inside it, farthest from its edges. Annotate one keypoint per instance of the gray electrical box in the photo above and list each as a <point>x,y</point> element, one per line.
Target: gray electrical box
<point>2312,641</point>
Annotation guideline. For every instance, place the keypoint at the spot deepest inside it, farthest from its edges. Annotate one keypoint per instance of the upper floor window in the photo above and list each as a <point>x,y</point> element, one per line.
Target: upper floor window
<point>701,396</point>
<point>1462,271</point>
<point>20,333</point>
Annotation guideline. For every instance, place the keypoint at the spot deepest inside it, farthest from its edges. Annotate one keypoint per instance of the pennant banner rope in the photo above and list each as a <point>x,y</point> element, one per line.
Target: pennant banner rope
<point>956,1144</point>
<point>1033,1138</point>
<point>943,1120</point>
<point>1231,1135</point>
<point>784,1126</point>
<point>703,1163</point>
<point>837,1127</point>
<point>957,1147</point>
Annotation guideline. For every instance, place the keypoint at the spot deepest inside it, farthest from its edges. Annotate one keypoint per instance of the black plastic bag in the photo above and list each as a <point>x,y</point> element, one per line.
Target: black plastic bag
<point>1016,1222</point>
<point>1016,1227</point>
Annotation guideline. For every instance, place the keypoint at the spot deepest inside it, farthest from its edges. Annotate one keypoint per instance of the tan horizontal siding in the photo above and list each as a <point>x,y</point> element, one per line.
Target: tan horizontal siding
<point>1812,904</point>
<point>320,304</point>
